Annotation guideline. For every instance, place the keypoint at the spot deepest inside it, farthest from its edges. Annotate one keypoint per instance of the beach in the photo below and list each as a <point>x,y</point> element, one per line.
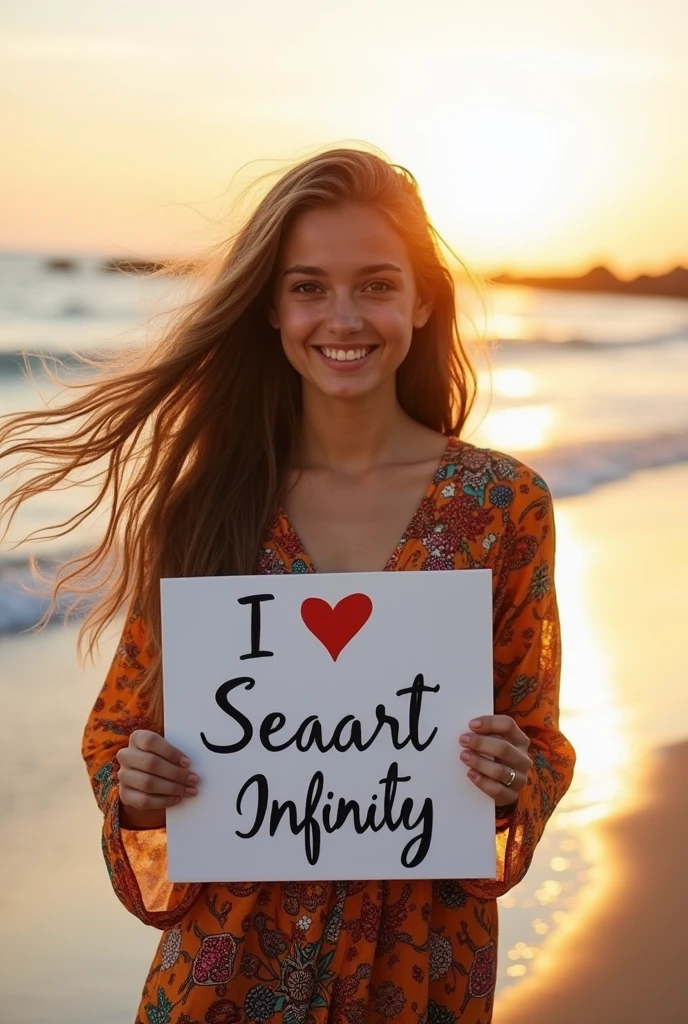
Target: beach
<point>600,898</point>
<point>622,956</point>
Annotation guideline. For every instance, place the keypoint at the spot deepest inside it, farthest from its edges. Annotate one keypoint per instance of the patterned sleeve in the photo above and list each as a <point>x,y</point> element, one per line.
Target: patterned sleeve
<point>527,664</point>
<point>136,860</point>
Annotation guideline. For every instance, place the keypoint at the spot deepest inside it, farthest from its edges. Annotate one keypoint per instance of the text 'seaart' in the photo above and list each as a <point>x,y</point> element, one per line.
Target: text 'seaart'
<point>322,713</point>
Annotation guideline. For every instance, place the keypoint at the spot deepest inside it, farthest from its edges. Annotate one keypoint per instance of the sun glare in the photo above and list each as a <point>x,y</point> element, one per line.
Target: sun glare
<point>524,428</point>
<point>502,180</point>
<point>512,382</point>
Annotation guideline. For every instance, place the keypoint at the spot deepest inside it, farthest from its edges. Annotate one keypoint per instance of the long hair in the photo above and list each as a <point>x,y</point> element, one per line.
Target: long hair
<point>195,430</point>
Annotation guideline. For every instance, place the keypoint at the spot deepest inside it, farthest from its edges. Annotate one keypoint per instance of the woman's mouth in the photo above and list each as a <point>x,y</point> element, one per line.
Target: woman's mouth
<point>348,357</point>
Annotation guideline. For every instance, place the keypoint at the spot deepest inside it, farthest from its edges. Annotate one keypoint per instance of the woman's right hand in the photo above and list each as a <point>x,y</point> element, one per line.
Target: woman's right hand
<point>153,775</point>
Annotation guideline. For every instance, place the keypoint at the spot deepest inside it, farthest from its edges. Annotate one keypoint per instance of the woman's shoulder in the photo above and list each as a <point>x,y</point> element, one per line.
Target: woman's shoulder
<point>489,472</point>
<point>482,501</point>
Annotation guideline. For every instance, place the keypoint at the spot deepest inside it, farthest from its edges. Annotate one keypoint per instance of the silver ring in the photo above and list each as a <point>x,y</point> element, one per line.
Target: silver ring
<point>511,779</point>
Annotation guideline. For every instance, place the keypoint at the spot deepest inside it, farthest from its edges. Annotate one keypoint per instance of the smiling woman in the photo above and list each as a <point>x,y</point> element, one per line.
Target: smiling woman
<point>317,384</point>
<point>345,331</point>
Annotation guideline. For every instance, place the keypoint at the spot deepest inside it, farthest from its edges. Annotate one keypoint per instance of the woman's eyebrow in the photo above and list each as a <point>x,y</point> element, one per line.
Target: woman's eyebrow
<point>374,268</point>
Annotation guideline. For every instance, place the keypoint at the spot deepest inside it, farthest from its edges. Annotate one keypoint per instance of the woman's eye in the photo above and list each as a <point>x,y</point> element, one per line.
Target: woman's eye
<point>386,286</point>
<point>305,284</point>
<point>305,287</point>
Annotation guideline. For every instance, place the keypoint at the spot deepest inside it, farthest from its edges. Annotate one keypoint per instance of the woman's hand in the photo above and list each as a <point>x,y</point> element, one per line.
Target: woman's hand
<point>153,775</point>
<point>494,746</point>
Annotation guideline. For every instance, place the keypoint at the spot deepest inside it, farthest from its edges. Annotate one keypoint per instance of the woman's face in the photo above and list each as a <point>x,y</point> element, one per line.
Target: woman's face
<point>345,299</point>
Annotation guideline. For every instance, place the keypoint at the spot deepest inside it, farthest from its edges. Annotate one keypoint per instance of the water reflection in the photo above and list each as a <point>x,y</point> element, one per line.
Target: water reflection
<point>513,382</point>
<point>592,717</point>
<point>599,730</point>
<point>523,428</point>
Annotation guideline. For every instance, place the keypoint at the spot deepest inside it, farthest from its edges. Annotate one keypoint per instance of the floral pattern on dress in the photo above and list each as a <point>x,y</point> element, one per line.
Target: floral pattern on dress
<point>416,952</point>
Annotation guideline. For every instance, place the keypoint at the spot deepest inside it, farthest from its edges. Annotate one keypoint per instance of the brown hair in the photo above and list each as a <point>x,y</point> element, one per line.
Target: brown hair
<point>195,431</point>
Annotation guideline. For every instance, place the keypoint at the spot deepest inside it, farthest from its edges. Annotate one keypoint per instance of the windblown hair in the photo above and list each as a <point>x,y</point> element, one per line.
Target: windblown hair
<point>195,431</point>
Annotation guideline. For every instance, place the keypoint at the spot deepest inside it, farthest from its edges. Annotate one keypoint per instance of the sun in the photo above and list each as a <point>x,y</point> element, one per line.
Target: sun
<point>501,183</point>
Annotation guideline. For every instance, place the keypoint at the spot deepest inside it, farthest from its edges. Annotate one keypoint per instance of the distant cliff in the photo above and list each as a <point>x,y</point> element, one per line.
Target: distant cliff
<point>674,284</point>
<point>600,279</point>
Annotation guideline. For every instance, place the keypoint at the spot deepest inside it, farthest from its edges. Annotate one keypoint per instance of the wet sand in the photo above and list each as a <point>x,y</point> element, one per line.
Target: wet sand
<point>623,958</point>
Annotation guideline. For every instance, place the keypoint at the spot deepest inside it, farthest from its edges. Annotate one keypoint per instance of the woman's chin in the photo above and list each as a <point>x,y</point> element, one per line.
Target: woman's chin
<point>345,390</point>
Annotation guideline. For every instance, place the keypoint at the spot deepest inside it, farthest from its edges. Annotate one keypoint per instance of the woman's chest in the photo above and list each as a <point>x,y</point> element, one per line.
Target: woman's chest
<point>347,527</point>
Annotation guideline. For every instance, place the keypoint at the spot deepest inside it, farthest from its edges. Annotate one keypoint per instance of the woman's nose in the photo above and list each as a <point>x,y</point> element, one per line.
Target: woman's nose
<point>344,316</point>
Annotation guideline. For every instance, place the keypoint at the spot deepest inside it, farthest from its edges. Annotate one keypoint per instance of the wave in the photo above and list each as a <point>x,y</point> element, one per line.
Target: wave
<point>12,363</point>
<point>589,345</point>
<point>574,469</point>
<point>569,470</point>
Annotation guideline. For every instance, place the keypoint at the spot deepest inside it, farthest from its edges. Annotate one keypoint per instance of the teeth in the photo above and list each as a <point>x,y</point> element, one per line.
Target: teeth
<point>343,355</point>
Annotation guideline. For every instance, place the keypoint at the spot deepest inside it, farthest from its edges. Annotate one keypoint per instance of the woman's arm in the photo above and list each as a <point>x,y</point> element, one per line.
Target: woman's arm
<point>527,665</point>
<point>135,849</point>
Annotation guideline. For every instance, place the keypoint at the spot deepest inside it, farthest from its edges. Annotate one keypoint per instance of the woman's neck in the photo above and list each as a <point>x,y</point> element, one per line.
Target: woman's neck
<point>352,435</point>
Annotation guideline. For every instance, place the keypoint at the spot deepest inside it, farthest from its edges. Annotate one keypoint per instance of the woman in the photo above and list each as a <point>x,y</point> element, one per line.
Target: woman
<point>305,414</point>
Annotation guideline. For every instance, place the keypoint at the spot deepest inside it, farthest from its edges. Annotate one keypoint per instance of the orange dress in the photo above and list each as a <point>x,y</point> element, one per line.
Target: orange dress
<point>416,952</point>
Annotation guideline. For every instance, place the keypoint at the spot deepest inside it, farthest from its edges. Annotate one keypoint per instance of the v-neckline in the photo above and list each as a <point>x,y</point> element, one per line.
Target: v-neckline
<point>393,559</point>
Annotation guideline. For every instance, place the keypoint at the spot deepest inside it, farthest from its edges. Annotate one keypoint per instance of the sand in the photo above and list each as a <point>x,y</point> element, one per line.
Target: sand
<point>624,958</point>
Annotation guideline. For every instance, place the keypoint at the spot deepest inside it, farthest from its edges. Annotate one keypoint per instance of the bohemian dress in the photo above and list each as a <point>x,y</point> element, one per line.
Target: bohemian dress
<point>405,952</point>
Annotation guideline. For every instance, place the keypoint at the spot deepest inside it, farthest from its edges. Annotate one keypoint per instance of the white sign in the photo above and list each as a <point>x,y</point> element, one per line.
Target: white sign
<point>322,713</point>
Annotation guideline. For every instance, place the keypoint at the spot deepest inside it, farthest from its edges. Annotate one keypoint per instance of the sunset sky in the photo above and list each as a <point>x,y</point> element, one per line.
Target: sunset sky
<point>545,136</point>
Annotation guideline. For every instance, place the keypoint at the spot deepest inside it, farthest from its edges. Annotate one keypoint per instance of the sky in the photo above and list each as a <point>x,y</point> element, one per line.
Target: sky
<point>546,137</point>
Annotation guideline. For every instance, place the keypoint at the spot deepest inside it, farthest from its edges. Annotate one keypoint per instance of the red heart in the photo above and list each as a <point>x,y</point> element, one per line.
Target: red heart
<point>335,627</point>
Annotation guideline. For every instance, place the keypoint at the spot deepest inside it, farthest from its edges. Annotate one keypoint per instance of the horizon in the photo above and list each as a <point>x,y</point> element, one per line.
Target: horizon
<point>544,143</point>
<point>106,255</point>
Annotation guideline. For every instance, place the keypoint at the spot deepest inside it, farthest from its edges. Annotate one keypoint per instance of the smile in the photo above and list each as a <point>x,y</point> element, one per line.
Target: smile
<point>345,355</point>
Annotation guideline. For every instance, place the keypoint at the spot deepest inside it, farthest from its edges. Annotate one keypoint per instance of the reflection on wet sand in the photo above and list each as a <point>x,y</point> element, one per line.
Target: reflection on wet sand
<point>614,719</point>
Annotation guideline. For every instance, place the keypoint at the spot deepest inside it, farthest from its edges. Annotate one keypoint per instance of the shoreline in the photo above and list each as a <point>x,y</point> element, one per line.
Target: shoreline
<point>622,955</point>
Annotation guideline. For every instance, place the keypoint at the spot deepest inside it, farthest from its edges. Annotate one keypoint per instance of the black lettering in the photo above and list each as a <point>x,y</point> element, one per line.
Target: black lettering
<point>229,709</point>
<point>312,828</point>
<point>272,723</point>
<point>417,689</point>
<point>423,839</point>
<point>309,825</point>
<point>255,600</point>
<point>277,813</point>
<point>261,804</point>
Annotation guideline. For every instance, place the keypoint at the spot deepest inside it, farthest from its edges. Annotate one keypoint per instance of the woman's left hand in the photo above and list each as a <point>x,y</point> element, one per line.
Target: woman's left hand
<point>492,749</point>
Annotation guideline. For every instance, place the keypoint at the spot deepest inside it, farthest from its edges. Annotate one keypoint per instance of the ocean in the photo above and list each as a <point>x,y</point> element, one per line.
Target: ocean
<point>586,388</point>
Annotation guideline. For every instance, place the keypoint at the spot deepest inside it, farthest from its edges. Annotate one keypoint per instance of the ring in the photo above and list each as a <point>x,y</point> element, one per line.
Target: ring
<point>513,776</point>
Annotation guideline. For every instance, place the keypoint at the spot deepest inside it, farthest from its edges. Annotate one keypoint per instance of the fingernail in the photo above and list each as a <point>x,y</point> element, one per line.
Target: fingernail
<point>473,776</point>
<point>465,738</point>
<point>465,756</point>
<point>177,799</point>
<point>475,724</point>
<point>190,791</point>
<point>192,779</point>
<point>184,762</point>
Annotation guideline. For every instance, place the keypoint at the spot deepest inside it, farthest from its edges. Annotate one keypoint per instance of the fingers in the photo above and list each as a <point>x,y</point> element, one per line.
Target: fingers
<point>501,724</point>
<point>496,748</point>
<point>147,752</point>
<point>497,770</point>
<point>153,774</point>
<point>154,743</point>
<point>138,801</point>
<point>153,785</point>
<point>502,795</point>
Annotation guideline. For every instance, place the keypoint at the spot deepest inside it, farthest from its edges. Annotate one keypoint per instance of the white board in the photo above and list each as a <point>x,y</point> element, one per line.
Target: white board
<point>396,663</point>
